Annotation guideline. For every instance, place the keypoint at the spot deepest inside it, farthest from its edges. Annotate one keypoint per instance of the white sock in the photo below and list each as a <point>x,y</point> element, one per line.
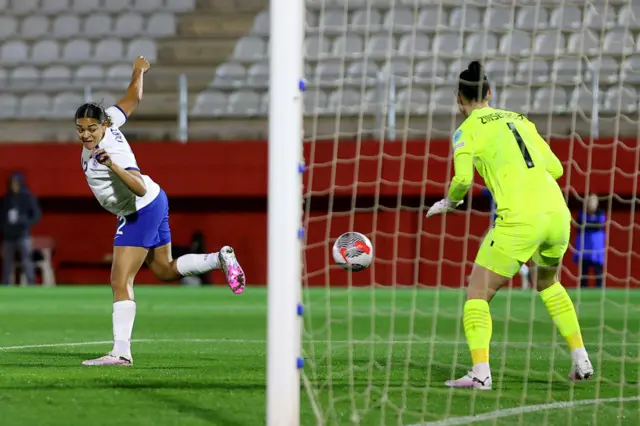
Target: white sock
<point>580,353</point>
<point>124,314</point>
<point>524,274</point>
<point>197,264</point>
<point>482,370</point>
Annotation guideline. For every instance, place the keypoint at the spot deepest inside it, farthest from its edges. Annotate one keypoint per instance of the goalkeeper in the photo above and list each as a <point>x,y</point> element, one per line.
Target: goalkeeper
<point>533,220</point>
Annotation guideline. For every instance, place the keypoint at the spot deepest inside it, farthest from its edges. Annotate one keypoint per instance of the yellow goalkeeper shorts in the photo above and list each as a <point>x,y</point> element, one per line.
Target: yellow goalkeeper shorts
<point>543,238</point>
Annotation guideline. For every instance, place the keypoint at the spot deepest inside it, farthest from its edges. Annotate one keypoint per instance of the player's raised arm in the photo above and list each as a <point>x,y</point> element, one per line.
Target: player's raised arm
<point>133,96</point>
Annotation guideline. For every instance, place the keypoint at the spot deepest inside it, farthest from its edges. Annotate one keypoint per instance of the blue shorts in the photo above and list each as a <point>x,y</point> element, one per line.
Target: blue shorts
<point>148,227</point>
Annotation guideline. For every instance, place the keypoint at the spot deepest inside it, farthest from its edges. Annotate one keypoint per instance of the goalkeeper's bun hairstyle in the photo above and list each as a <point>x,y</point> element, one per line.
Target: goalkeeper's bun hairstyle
<point>473,83</point>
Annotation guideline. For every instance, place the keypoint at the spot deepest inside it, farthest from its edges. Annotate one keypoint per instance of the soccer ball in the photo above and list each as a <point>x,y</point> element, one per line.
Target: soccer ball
<point>353,251</point>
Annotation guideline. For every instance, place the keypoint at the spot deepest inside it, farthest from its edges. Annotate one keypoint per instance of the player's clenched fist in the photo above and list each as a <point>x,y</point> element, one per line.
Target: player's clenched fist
<point>102,157</point>
<point>140,63</point>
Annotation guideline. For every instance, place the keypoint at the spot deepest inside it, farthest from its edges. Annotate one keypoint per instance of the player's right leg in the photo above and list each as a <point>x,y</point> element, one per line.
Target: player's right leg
<point>548,259</point>
<point>127,261</point>
<point>492,269</point>
<point>8,257</point>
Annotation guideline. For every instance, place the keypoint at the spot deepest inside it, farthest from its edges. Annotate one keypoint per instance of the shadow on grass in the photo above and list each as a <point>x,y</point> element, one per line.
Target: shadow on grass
<point>190,407</point>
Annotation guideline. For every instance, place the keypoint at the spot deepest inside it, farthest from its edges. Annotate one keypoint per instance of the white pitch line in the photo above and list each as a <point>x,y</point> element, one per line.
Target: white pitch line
<point>508,412</point>
<point>263,341</point>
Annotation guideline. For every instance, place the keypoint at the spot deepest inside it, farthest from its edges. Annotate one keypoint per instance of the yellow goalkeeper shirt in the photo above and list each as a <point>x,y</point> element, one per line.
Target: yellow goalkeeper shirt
<point>516,163</point>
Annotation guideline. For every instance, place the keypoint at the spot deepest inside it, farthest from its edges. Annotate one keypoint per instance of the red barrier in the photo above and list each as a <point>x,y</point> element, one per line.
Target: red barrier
<point>239,169</point>
<point>415,167</point>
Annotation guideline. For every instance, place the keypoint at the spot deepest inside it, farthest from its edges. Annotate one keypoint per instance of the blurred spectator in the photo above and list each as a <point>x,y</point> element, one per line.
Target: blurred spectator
<point>590,242</point>
<point>19,211</point>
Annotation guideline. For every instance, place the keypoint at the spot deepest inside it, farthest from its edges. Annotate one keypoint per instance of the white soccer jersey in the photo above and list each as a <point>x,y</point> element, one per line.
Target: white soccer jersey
<point>111,192</point>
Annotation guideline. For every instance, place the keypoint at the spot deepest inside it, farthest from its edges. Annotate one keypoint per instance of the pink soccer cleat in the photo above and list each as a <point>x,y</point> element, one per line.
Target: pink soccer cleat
<point>108,359</point>
<point>232,269</point>
<point>470,381</point>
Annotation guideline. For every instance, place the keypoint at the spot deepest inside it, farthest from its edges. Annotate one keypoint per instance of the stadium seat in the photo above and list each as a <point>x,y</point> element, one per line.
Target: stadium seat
<point>623,99</point>
<point>35,105</point>
<point>629,16</point>
<point>23,7</point>
<point>8,27</point>
<point>316,46</point>
<point>532,18</point>
<point>399,20</point>
<point>630,69</point>
<point>88,74</point>
<point>582,100</point>
<point>442,100</point>
<point>486,43</point>
<point>258,75</point>
<point>448,43</point>
<point>117,6</point>
<point>465,17</point>
<point>145,47</point>
<point>106,99</point>
<point>366,19</point>
<point>264,103</point>
<point>249,48</point>
<point>582,43</point>
<point>65,26</point>
<point>429,71</point>
<point>400,69</point>
<point>161,25</point>
<point>53,7</point>
<point>499,19</point>
<point>14,52</point>
<point>418,45</point>
<point>24,77</point>
<point>500,70</point>
<point>109,50</point>
<point>8,105</point>
<point>261,24</point>
<point>415,100</point>
<point>360,71</point>
<point>567,70</point>
<point>315,101</point>
<point>431,17</point>
<point>148,6</point>
<point>345,101</point>
<point>128,25</point>
<point>333,21</point>
<point>532,71</point>
<point>379,46</point>
<point>548,99</point>
<point>229,75</point>
<point>606,68</point>
<point>35,26</point>
<point>549,44</point>
<point>85,6</point>
<point>76,51</point>
<point>619,41</point>
<point>515,44</point>
<point>56,77</point>
<point>97,25</point>
<point>180,5</point>
<point>243,103</point>
<point>210,104</point>
<point>349,46</point>
<point>65,104</point>
<point>328,72</point>
<point>45,51</point>
<point>599,16</point>
<point>118,76</point>
<point>566,17</point>
<point>515,99</point>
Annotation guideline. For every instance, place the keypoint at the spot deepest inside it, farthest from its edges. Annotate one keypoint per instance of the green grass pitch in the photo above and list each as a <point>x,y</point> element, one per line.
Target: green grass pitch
<point>375,356</point>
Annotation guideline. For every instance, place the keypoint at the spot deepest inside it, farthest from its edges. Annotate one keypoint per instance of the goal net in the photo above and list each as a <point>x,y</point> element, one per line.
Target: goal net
<point>380,111</point>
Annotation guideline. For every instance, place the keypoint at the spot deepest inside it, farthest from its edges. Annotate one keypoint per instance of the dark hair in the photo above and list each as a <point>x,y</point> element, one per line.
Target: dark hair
<point>473,84</point>
<point>92,110</point>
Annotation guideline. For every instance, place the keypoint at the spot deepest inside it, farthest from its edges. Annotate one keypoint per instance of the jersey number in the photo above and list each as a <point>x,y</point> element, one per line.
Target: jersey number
<point>123,222</point>
<point>523,147</point>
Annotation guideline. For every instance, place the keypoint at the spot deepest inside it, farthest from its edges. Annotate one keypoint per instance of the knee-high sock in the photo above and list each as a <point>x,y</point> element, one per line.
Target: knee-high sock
<point>124,315</point>
<point>563,313</point>
<point>197,264</point>
<point>478,329</point>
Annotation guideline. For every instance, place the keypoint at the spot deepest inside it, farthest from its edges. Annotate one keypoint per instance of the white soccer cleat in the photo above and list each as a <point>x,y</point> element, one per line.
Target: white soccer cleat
<point>581,369</point>
<point>470,381</point>
<point>232,269</point>
<point>109,359</point>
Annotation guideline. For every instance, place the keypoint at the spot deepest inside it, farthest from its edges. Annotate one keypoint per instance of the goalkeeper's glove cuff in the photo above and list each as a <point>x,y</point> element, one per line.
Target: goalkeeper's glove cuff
<point>443,206</point>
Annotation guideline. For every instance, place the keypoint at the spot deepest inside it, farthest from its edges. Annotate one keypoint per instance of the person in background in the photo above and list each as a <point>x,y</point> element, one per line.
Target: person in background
<point>590,242</point>
<point>19,211</point>
<point>524,272</point>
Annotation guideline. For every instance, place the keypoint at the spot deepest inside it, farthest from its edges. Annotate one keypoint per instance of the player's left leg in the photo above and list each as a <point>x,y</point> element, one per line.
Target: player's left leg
<point>493,268</point>
<point>127,261</point>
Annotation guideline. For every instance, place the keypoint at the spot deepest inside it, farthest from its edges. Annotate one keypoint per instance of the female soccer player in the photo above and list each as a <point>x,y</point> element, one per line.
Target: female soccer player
<point>142,234</point>
<point>533,220</point>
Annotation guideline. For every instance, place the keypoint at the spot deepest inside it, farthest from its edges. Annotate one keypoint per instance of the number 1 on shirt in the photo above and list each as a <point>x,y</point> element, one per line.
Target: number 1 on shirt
<point>523,147</point>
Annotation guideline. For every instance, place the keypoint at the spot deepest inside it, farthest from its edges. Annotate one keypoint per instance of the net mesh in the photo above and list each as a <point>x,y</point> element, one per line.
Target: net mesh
<point>379,115</point>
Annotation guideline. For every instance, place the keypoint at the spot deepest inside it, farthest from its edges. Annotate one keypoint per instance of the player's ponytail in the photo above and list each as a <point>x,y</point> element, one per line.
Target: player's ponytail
<point>473,84</point>
<point>92,110</point>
